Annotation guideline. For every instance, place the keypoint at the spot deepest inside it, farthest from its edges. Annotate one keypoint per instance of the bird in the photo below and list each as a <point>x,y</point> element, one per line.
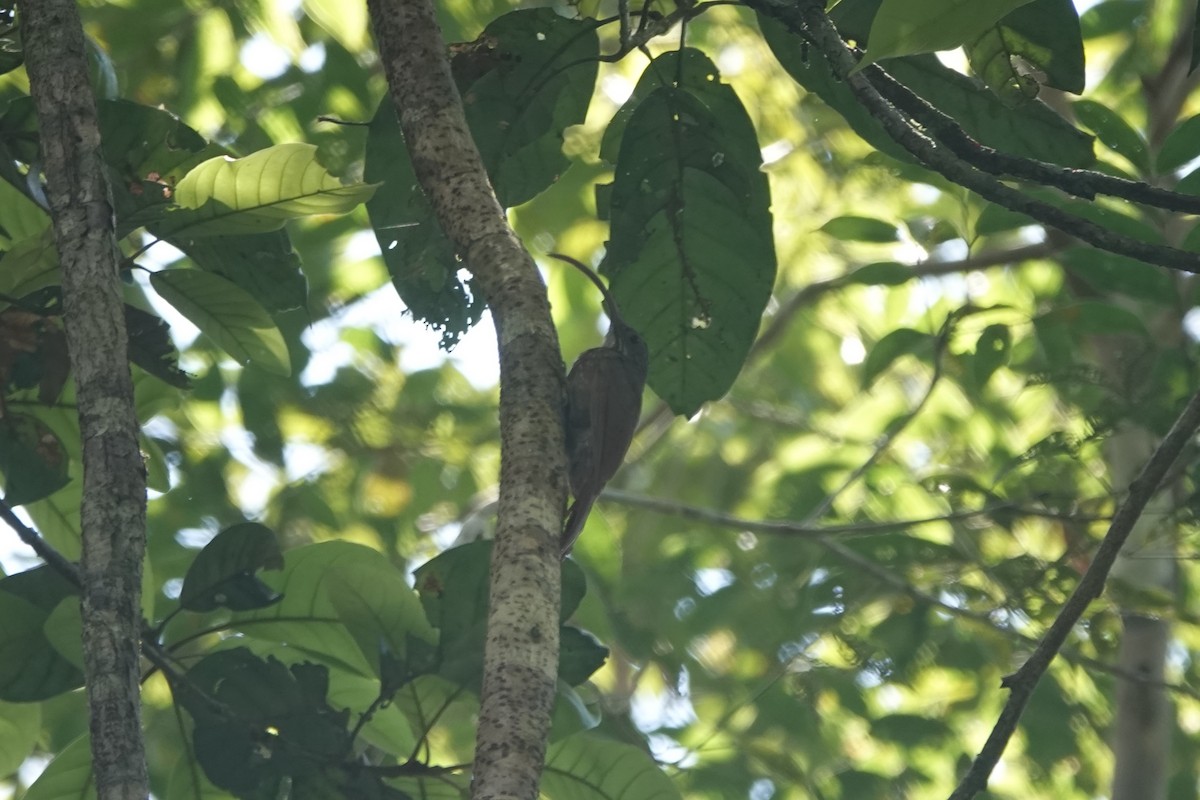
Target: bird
<point>604,401</point>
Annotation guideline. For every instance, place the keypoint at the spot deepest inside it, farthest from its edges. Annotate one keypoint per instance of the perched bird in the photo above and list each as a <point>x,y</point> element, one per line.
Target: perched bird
<point>604,401</point>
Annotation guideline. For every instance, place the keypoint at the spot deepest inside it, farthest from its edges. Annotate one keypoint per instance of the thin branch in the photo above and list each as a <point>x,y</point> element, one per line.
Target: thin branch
<point>1022,683</point>
<point>890,436</point>
<point>659,418</point>
<point>827,536</point>
<point>806,531</point>
<point>807,18</point>
<point>816,290</point>
<point>63,565</point>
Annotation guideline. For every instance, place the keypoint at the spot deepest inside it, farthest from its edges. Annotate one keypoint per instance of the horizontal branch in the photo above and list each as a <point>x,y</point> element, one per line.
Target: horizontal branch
<point>816,532</point>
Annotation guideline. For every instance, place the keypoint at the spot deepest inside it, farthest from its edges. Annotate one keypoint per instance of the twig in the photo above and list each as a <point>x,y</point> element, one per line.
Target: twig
<point>1022,683</point>
<point>808,19</point>
<point>803,530</point>
<point>888,437</point>
<point>63,565</point>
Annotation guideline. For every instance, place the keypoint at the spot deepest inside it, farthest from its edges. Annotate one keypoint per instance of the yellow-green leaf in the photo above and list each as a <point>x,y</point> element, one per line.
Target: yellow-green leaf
<point>260,192</point>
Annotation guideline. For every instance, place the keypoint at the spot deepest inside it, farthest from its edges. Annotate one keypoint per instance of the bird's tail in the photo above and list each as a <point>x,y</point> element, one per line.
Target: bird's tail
<point>574,525</point>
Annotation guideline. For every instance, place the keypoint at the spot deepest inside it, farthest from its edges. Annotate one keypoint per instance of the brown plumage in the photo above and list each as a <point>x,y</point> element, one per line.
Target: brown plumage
<point>604,400</point>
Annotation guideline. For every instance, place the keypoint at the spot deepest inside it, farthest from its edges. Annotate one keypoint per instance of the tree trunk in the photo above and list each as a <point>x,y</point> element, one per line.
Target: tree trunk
<point>114,480</point>
<point>521,656</point>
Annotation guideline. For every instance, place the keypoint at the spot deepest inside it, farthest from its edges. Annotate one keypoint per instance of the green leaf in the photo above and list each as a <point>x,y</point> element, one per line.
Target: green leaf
<point>307,617</point>
<point>1195,60</point>
<point>267,695</point>
<point>1182,146</point>
<point>151,348</point>
<point>30,264</point>
<point>590,767</point>
<point>69,775</point>
<point>991,353</point>
<point>1094,317</point>
<point>20,217</point>
<point>454,592</point>
<point>861,229</point>
<point>30,667</point>
<point>423,266</point>
<point>691,257</point>
<point>32,459</point>
<point>259,193</point>
<point>1032,130</point>
<point>580,654</point>
<point>383,614</point>
<point>900,342</point>
<point>234,319</point>
<point>222,574</point>
<point>1114,132</point>
<point>882,273</point>
<point>539,74</point>
<point>63,629</point>
<point>347,23</point>
<point>908,27</point>
<point>1042,37</point>
<point>1107,272</point>
<point>524,81</point>
<point>264,264</point>
<point>20,730</point>
<point>571,714</point>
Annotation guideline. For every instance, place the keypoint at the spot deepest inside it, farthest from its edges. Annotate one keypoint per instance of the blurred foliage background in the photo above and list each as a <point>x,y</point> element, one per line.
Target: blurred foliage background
<point>946,482</point>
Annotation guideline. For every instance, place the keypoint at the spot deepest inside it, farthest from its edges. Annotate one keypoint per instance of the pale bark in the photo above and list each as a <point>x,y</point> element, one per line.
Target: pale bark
<point>114,483</point>
<point>521,656</point>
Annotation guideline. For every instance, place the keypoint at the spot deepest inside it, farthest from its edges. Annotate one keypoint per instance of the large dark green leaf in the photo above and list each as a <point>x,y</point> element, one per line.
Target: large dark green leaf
<point>264,264</point>
<point>908,27</point>
<point>691,256</point>
<point>32,459</point>
<point>538,75</point>
<point>1033,130</point>
<point>31,668</point>
<point>423,266</point>
<point>1043,37</point>
<point>222,575</point>
<point>276,724</point>
<point>454,590</point>
<point>527,78</point>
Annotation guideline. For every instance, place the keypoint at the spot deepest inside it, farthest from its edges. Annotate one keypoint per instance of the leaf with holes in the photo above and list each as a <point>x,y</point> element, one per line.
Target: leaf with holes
<point>691,257</point>
<point>222,574</point>
<point>906,27</point>
<point>234,319</point>
<point>1041,37</point>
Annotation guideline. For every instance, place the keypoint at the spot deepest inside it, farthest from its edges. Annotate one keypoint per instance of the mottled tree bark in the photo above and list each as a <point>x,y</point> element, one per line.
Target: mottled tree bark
<point>521,656</point>
<point>114,481</point>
